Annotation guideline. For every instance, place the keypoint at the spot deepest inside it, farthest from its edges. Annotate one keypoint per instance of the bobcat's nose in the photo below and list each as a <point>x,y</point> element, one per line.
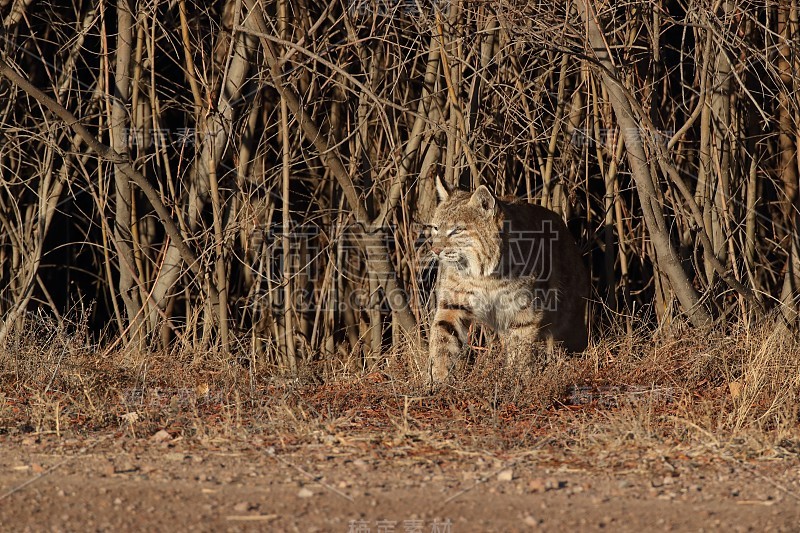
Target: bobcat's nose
<point>436,250</point>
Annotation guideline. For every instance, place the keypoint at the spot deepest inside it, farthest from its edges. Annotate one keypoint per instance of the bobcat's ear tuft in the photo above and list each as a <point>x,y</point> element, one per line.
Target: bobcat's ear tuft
<point>442,190</point>
<point>483,199</point>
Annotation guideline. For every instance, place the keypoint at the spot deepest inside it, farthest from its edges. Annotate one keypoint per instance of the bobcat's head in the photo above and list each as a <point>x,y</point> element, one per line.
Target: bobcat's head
<point>465,229</point>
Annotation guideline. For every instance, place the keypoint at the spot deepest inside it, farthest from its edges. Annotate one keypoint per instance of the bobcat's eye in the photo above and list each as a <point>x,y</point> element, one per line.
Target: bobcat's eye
<point>455,231</point>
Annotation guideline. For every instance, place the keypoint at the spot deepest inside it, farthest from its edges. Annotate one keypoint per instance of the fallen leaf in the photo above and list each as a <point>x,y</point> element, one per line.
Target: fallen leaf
<point>130,418</point>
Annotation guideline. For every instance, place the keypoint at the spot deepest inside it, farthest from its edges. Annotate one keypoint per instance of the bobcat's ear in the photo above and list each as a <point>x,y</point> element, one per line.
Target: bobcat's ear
<point>442,191</point>
<point>483,199</point>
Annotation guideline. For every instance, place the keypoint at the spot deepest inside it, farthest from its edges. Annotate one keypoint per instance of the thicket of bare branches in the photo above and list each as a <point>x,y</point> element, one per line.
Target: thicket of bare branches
<point>253,176</point>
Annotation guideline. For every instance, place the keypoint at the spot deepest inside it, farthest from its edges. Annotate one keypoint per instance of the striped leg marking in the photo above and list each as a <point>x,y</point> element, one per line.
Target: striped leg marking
<point>448,338</point>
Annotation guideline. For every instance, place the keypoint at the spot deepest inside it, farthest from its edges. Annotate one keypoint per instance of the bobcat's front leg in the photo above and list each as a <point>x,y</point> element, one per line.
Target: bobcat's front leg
<point>448,338</point>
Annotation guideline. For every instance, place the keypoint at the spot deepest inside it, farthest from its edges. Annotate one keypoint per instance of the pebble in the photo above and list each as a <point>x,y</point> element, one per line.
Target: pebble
<point>175,456</point>
<point>161,436</point>
<point>304,493</point>
<point>537,484</point>
<point>530,521</point>
<point>506,475</point>
<point>243,507</point>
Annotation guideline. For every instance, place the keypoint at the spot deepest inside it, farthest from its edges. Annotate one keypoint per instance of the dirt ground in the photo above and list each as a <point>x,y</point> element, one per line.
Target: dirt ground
<point>690,433</point>
<point>113,481</point>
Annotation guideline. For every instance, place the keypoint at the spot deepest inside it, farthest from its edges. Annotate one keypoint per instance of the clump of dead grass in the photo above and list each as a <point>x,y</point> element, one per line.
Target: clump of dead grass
<point>698,388</point>
<point>673,387</point>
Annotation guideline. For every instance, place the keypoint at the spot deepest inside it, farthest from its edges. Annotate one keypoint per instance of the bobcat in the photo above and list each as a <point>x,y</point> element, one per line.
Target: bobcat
<point>510,265</point>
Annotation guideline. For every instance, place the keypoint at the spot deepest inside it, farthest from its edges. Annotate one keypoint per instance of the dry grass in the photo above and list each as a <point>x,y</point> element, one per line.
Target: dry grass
<point>675,388</point>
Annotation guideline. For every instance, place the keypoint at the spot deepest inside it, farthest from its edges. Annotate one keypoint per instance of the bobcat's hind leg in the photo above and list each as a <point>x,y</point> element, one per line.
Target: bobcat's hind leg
<point>526,348</point>
<point>448,338</point>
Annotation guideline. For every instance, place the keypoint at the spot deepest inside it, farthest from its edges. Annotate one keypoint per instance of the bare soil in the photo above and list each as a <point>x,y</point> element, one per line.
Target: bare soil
<point>110,481</point>
<point>685,432</point>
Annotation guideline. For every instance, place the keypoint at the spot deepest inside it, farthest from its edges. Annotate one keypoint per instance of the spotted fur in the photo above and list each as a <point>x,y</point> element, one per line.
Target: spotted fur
<point>509,265</point>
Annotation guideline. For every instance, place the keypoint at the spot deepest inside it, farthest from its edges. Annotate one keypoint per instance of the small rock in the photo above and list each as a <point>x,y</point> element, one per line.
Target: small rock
<point>125,467</point>
<point>161,436</point>
<point>537,484</point>
<point>175,456</point>
<point>304,493</point>
<point>530,521</point>
<point>506,475</point>
<point>624,484</point>
<point>243,507</point>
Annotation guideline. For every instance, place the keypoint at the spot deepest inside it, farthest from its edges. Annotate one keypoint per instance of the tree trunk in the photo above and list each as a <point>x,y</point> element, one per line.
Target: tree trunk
<point>123,239</point>
<point>666,257</point>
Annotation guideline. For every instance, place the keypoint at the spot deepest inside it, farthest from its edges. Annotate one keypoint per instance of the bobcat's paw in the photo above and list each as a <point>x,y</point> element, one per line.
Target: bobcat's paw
<point>439,370</point>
